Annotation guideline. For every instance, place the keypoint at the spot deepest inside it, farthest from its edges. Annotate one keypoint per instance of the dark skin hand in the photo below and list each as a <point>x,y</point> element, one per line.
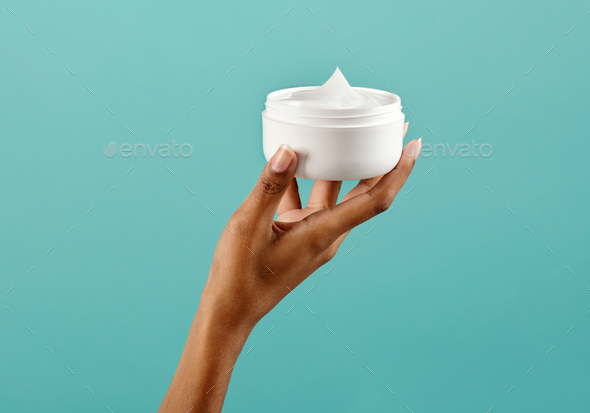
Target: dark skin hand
<point>259,259</point>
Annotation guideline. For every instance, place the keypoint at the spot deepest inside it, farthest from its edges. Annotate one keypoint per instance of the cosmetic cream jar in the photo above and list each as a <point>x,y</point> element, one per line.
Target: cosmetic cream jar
<point>338,132</point>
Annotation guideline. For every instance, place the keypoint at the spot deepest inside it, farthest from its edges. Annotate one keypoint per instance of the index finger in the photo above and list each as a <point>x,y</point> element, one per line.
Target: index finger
<point>332,222</point>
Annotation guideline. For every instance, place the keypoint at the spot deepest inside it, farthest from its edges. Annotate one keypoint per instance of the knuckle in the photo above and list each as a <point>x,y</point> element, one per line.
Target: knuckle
<point>323,260</point>
<point>326,254</point>
<point>330,253</point>
<point>270,185</point>
<point>379,203</point>
<point>381,206</point>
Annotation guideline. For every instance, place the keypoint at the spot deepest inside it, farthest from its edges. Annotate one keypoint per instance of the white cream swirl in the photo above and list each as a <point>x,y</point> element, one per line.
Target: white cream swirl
<point>336,93</point>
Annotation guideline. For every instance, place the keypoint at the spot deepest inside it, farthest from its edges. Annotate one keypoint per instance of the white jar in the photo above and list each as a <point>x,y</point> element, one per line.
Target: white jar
<point>334,141</point>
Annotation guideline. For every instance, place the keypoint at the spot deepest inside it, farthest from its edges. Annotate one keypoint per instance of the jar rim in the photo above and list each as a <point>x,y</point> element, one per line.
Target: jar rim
<point>273,102</point>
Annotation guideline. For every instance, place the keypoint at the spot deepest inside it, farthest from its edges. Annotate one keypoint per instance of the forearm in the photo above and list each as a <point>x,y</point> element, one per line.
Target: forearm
<point>202,377</point>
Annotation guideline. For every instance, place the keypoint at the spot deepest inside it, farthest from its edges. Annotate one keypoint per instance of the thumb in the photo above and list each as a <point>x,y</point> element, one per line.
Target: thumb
<point>273,183</point>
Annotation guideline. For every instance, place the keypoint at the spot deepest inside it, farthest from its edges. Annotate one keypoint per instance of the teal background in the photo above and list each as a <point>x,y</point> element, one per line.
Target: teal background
<point>449,300</point>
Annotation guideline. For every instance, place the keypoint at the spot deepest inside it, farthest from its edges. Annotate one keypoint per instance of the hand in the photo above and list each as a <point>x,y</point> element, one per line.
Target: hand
<point>259,260</point>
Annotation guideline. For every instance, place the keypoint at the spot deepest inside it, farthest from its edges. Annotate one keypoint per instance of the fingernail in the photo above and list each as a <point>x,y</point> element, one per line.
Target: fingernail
<point>410,150</point>
<point>406,126</point>
<point>282,159</point>
<point>418,147</point>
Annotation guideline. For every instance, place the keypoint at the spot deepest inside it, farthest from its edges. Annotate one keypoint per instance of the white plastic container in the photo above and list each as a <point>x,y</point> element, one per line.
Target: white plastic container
<point>335,143</point>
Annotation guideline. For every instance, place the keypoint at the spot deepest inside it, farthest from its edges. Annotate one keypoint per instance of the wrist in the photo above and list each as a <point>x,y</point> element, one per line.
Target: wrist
<point>214,323</point>
<point>228,309</point>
